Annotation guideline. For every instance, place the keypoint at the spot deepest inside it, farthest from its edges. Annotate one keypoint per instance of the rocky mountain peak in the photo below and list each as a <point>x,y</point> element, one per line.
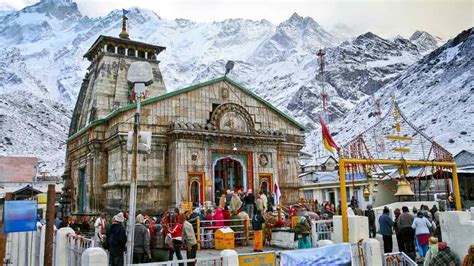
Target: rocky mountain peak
<point>425,41</point>
<point>60,9</point>
<point>298,21</point>
<point>368,36</point>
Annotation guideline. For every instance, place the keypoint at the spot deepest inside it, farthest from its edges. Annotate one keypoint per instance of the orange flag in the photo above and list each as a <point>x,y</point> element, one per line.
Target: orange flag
<point>327,139</point>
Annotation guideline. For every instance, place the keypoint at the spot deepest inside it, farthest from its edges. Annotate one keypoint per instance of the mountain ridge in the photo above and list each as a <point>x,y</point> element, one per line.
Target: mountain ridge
<point>275,61</point>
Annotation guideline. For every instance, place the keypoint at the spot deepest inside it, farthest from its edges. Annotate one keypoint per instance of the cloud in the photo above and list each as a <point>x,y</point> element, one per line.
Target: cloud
<point>16,4</point>
<point>384,17</point>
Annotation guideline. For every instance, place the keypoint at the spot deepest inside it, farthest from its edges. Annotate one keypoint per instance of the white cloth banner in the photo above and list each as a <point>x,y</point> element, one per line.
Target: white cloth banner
<point>340,254</point>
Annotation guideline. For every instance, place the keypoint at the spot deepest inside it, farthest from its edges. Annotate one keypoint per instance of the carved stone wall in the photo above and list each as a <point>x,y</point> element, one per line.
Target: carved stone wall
<point>107,88</point>
<point>187,127</point>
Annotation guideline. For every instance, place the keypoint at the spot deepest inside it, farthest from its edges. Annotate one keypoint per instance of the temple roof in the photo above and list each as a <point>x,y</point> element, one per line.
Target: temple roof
<point>126,42</point>
<point>183,90</point>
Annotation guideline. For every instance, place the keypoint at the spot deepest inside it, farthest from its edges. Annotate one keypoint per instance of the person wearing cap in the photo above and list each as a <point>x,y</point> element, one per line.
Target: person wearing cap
<point>432,251</point>
<point>159,252</point>
<point>385,229</point>
<point>422,232</point>
<point>116,239</point>
<point>141,241</point>
<point>445,256</point>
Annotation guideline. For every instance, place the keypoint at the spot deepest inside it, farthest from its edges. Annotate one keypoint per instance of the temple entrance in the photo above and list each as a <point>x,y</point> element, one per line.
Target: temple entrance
<point>228,174</point>
<point>266,184</point>
<point>196,188</point>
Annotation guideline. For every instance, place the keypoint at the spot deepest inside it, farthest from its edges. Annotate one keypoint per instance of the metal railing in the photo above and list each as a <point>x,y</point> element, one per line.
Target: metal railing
<point>324,229</point>
<point>76,245</point>
<point>397,258</point>
<point>207,261</point>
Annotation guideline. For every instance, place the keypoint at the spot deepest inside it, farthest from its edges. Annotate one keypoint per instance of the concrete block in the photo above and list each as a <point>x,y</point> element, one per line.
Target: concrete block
<point>94,257</point>
<point>230,257</point>
<point>283,239</point>
<point>372,252</point>
<point>457,229</point>
<point>358,228</point>
<point>61,245</point>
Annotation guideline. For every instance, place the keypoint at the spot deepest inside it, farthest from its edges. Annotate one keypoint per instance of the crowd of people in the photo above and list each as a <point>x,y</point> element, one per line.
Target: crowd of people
<point>416,233</point>
<point>161,238</point>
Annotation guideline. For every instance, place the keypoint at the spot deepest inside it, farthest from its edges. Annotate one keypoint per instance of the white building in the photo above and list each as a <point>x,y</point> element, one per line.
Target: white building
<point>320,179</point>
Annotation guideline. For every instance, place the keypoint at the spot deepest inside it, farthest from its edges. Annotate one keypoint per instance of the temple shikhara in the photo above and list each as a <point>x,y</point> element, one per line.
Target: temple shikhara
<point>206,138</point>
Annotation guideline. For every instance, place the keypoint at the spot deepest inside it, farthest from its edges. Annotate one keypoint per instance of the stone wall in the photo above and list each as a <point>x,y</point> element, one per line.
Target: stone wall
<point>182,129</point>
<point>457,230</point>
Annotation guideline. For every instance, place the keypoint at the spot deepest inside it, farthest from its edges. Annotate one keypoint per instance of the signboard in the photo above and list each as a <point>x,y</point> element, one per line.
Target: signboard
<point>258,259</point>
<point>20,216</point>
<point>42,198</point>
<point>340,254</point>
<point>186,206</point>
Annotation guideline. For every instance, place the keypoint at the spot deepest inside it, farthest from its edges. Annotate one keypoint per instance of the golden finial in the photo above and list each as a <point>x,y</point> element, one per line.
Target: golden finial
<point>124,34</point>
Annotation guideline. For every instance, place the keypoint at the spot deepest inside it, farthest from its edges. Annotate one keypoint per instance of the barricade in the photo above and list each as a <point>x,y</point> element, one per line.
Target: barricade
<point>206,229</point>
<point>324,229</point>
<point>208,261</point>
<point>397,258</point>
<point>76,245</point>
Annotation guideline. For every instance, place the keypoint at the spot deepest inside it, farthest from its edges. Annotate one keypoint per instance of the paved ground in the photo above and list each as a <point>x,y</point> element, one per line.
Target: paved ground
<point>249,249</point>
<point>240,250</point>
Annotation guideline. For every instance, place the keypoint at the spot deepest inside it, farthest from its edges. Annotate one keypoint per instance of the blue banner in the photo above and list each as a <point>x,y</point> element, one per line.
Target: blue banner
<point>20,216</point>
<point>339,254</point>
<point>355,176</point>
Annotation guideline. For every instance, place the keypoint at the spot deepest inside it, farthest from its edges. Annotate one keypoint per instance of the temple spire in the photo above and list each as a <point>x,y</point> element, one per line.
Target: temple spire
<point>124,34</point>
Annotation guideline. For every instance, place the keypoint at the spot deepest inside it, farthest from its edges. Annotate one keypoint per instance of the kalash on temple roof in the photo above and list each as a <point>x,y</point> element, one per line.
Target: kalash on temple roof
<point>206,138</point>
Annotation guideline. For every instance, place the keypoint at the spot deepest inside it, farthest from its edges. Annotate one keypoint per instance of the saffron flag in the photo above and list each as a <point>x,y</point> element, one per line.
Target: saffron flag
<point>327,139</point>
<point>276,190</point>
<point>125,12</point>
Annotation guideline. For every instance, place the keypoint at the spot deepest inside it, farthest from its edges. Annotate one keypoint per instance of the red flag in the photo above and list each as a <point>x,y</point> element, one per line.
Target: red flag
<point>327,139</point>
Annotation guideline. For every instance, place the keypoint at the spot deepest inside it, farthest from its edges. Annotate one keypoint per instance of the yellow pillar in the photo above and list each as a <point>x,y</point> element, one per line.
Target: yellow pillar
<point>198,233</point>
<point>457,194</point>
<point>342,182</point>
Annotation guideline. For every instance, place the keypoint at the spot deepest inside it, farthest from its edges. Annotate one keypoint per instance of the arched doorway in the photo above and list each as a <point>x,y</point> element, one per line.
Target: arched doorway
<point>228,174</point>
<point>196,188</point>
<point>264,187</point>
<point>195,193</point>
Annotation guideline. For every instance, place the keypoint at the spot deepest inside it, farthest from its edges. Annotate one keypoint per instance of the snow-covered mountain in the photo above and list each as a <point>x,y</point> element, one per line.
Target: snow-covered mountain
<point>425,41</point>
<point>436,94</point>
<point>41,53</point>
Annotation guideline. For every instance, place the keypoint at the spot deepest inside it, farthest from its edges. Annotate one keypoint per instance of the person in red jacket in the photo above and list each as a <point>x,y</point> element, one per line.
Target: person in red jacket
<point>218,219</point>
<point>176,233</point>
<point>227,216</point>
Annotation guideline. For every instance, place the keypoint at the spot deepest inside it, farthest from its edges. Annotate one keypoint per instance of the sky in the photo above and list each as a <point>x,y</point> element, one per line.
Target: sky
<point>387,18</point>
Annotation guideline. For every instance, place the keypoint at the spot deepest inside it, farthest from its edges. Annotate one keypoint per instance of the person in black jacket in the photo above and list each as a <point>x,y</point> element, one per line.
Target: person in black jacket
<point>257,224</point>
<point>371,215</point>
<point>249,201</point>
<point>116,240</point>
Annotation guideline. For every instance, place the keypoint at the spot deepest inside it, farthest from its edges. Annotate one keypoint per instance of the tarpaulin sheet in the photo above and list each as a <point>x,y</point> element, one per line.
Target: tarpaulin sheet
<point>339,254</point>
<point>20,216</point>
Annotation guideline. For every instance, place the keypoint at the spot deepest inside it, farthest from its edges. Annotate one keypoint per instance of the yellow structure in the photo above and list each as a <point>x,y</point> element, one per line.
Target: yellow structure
<point>342,178</point>
<point>391,141</point>
<point>224,238</point>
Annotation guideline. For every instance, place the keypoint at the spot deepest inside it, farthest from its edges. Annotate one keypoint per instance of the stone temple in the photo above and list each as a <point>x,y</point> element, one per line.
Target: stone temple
<point>206,138</point>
